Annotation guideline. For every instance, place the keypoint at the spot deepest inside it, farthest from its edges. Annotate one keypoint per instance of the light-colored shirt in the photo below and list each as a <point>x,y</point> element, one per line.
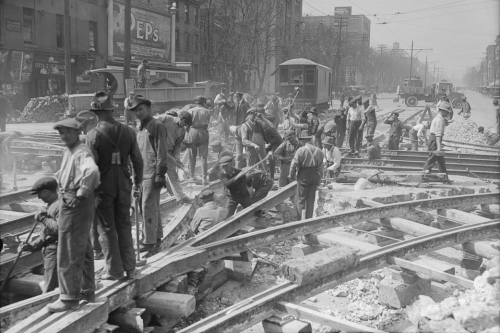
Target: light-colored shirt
<point>421,130</point>
<point>354,114</point>
<point>307,156</point>
<point>206,217</point>
<point>127,102</point>
<point>201,116</point>
<point>78,170</point>
<point>175,134</point>
<point>333,155</point>
<point>437,126</point>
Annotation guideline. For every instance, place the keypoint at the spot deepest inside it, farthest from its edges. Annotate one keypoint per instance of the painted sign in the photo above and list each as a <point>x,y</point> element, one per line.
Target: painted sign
<point>343,11</point>
<point>15,66</point>
<point>150,33</point>
<point>42,68</point>
<point>13,25</point>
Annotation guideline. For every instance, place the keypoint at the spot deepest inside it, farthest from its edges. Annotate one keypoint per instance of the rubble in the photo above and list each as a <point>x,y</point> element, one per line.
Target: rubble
<point>46,109</point>
<point>464,130</point>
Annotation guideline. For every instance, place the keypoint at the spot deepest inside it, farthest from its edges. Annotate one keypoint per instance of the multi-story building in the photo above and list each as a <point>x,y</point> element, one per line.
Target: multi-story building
<point>491,62</point>
<point>32,45</point>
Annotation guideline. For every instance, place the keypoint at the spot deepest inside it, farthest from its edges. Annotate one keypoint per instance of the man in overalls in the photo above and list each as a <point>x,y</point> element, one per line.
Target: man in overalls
<point>78,178</point>
<point>307,167</point>
<point>152,141</point>
<point>112,144</point>
<point>285,153</point>
<point>252,139</point>
<point>198,137</point>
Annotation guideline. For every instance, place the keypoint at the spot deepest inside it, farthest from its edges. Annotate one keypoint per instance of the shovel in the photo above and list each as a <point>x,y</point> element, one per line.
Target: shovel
<point>362,183</point>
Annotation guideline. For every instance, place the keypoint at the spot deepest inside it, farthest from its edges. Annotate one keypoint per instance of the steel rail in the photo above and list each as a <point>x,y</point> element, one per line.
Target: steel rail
<point>449,159</point>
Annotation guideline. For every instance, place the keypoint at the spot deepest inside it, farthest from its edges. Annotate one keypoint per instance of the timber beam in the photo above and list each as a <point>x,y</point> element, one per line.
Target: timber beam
<point>8,198</point>
<point>15,222</point>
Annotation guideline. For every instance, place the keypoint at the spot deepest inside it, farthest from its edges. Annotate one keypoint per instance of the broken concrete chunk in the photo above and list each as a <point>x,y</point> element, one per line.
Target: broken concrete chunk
<point>477,317</point>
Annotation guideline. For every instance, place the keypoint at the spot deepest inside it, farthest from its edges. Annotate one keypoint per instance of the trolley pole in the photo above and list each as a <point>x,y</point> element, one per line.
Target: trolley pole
<point>126,53</point>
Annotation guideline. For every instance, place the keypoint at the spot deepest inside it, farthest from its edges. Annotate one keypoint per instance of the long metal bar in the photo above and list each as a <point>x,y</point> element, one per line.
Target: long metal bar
<point>8,198</point>
<point>162,267</point>
<point>449,159</point>
<point>451,154</point>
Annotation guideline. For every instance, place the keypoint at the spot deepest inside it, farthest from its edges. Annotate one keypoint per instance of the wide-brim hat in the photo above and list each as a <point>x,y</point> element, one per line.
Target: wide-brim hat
<point>138,100</point>
<point>101,102</point>
<point>445,106</point>
<point>306,137</point>
<point>328,140</point>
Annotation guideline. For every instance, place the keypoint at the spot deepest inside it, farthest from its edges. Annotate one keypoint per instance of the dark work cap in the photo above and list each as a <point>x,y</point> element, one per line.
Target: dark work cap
<point>215,143</point>
<point>313,110</point>
<point>138,100</point>
<point>252,110</point>
<point>69,123</point>
<point>342,109</point>
<point>200,99</point>
<point>101,102</point>
<point>289,133</point>
<point>45,183</point>
<point>186,116</point>
<point>225,160</point>
<point>239,94</point>
<point>207,194</point>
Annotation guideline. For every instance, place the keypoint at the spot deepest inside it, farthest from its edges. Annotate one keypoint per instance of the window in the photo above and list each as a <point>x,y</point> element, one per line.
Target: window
<point>284,76</point>
<point>93,36</point>
<point>188,41</point>
<point>297,76</point>
<point>309,76</point>
<point>177,41</point>
<point>60,31</point>
<point>28,25</point>
<point>196,15</point>
<point>1,22</point>
<point>186,11</point>
<point>196,42</point>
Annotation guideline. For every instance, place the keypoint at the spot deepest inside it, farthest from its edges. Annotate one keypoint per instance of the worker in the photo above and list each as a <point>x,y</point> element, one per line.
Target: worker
<point>312,117</point>
<point>207,215</point>
<point>497,113</point>
<point>78,179</point>
<point>112,144</point>
<point>328,129</point>
<point>129,115</point>
<point>289,101</point>
<point>342,98</point>
<point>370,117</point>
<point>341,122</point>
<point>220,99</point>
<point>198,137</point>
<point>175,128</point>
<point>418,134</point>
<point>46,190</point>
<point>152,141</point>
<point>240,108</point>
<point>246,186</point>
<point>5,110</point>
<point>465,107</point>
<point>220,103</point>
<point>354,122</point>
<point>307,167</point>
<point>142,79</point>
<point>273,107</point>
<point>444,99</point>
<point>251,136</point>
<point>491,137</point>
<point>435,144</point>
<point>271,137</point>
<point>284,154</point>
<point>374,98</point>
<point>221,151</point>
<point>333,157</point>
<point>373,148</point>
<point>396,130</point>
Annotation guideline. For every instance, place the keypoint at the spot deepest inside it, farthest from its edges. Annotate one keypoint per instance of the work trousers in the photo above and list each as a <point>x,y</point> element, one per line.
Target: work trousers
<point>370,127</point>
<point>239,156</point>
<point>152,229</point>
<point>414,140</point>
<point>342,102</point>
<point>272,162</point>
<point>308,180</point>
<point>51,281</point>
<point>75,260</point>
<point>393,143</point>
<point>94,234</point>
<point>353,135</point>
<point>198,137</point>
<point>223,129</point>
<point>340,137</point>
<point>432,159</point>
<point>284,173</point>
<point>174,179</point>
<point>115,230</point>
<point>247,201</point>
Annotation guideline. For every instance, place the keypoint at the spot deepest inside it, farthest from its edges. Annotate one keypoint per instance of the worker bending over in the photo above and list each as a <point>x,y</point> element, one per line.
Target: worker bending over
<point>465,109</point>
<point>373,149</point>
<point>221,151</point>
<point>207,215</point>
<point>491,137</point>
<point>333,157</point>
<point>418,134</point>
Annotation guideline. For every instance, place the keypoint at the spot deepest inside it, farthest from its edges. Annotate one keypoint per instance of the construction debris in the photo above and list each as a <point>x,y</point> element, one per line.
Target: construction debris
<point>46,109</point>
<point>464,130</point>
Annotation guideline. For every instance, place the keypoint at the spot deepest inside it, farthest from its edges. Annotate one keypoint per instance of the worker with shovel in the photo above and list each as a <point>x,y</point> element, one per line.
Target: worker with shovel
<point>112,144</point>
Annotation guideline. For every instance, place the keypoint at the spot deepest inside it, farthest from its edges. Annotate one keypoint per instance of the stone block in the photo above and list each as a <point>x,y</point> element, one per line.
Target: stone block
<point>178,285</point>
<point>301,250</point>
<point>406,277</point>
<point>294,326</point>
<point>399,294</point>
<point>240,270</point>
<point>477,317</point>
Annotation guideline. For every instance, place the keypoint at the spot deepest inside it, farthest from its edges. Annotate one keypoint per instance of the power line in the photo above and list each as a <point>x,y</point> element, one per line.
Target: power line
<point>420,18</point>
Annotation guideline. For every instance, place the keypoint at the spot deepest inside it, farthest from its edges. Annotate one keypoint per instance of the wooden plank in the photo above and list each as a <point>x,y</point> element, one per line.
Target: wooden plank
<point>326,320</point>
<point>177,225</point>
<point>461,216</point>
<point>31,285</point>
<point>329,239</point>
<point>26,262</point>
<point>318,265</point>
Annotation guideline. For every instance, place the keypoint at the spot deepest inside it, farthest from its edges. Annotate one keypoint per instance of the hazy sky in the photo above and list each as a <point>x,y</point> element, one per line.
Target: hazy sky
<point>458,31</point>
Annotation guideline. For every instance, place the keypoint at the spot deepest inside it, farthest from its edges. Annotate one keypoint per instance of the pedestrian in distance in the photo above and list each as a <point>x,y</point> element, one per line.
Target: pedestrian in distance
<point>78,178</point>
<point>113,146</point>
<point>46,190</point>
<point>152,142</point>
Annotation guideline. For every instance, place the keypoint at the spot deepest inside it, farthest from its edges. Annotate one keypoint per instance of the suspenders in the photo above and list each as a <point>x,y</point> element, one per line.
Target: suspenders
<point>313,155</point>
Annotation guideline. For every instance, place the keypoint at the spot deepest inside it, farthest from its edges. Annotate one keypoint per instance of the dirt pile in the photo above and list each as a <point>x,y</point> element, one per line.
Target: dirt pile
<point>46,109</point>
<point>464,130</point>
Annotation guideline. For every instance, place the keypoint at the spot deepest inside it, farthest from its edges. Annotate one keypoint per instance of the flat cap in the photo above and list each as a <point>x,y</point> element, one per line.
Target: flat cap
<point>69,122</point>
<point>260,105</point>
<point>186,116</point>
<point>328,140</point>
<point>289,133</point>
<point>252,110</point>
<point>225,160</point>
<point>359,97</point>
<point>200,99</point>
<point>44,183</point>
<point>215,143</point>
<point>138,100</point>
<point>172,113</point>
<point>313,110</point>
<point>341,108</point>
<point>239,94</point>
<point>306,137</point>
<point>206,194</point>
<point>395,113</point>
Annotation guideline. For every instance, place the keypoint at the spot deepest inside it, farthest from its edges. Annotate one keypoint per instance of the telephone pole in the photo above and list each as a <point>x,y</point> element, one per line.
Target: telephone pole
<point>425,75</point>
<point>67,48</point>
<point>126,46</point>
<point>339,48</point>
<point>411,58</point>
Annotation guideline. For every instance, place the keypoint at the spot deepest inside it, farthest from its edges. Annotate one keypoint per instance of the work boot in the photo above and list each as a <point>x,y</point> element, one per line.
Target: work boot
<point>205,182</point>
<point>112,277</point>
<point>88,296</point>
<point>146,247</point>
<point>131,273</point>
<point>61,306</point>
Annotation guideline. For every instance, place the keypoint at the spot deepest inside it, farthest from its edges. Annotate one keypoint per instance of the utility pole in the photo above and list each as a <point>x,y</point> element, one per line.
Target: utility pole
<point>381,47</point>
<point>425,75</point>
<point>337,76</point>
<point>67,48</point>
<point>411,58</point>
<point>364,38</point>
<point>127,37</point>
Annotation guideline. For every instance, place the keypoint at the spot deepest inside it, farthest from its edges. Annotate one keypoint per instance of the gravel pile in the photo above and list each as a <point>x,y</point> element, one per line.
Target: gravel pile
<point>464,130</point>
<point>46,109</point>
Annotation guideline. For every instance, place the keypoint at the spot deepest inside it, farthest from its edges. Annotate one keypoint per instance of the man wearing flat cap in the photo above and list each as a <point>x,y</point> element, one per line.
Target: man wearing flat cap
<point>78,179</point>
<point>313,122</point>
<point>175,127</point>
<point>396,130</point>
<point>435,144</point>
<point>240,108</point>
<point>152,142</point>
<point>373,149</point>
<point>285,153</point>
<point>113,144</point>
<point>355,121</point>
<point>198,137</point>
<point>207,215</point>
<point>46,190</point>
<point>370,117</point>
<point>252,139</point>
<point>221,151</point>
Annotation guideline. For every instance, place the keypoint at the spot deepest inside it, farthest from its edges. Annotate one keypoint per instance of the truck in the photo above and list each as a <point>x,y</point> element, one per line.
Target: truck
<point>413,91</point>
<point>162,97</point>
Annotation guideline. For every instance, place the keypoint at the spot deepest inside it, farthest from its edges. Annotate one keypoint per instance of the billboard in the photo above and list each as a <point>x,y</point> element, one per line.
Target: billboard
<point>150,33</point>
<point>343,11</point>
